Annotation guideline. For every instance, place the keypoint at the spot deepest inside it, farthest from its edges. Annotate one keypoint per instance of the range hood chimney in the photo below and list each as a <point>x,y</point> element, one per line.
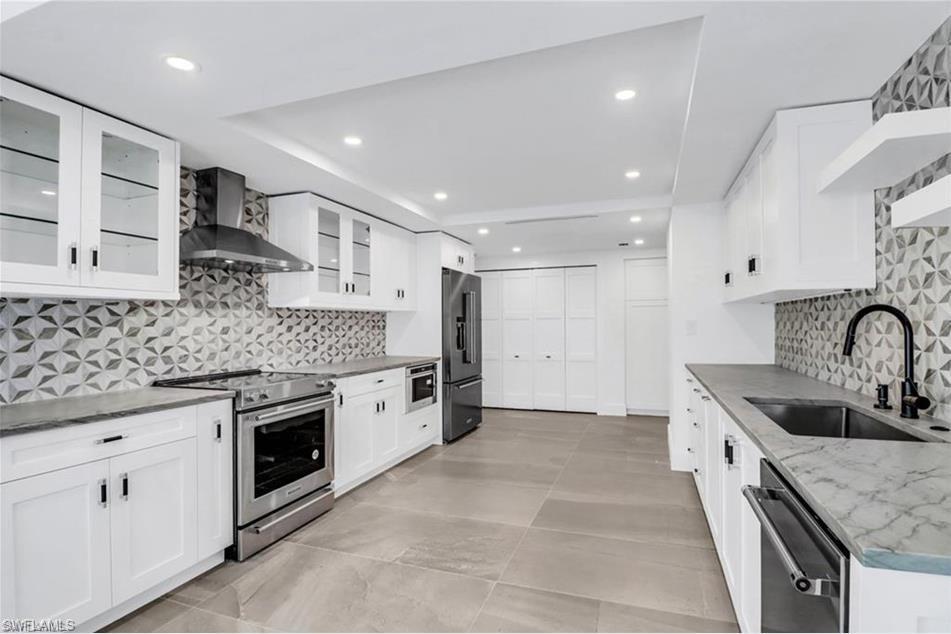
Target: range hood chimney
<point>218,239</point>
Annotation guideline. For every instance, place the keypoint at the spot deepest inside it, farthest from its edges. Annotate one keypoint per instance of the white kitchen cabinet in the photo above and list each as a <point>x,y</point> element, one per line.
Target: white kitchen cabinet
<point>55,544</point>
<point>215,477</point>
<point>491,338</point>
<point>581,341</point>
<point>372,431</point>
<point>549,339</point>
<point>359,262</point>
<point>153,522</point>
<point>786,241</point>
<point>115,520</point>
<point>457,254</point>
<point>90,203</point>
<point>713,460</point>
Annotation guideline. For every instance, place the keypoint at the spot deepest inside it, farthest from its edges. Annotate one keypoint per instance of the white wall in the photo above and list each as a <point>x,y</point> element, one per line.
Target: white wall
<point>702,328</point>
<point>611,311</point>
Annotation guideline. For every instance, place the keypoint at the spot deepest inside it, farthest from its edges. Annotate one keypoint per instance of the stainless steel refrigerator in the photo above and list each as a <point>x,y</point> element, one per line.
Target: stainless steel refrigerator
<point>461,353</point>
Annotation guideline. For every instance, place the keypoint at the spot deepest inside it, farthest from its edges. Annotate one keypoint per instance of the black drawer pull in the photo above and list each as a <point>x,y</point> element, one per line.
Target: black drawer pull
<point>103,441</point>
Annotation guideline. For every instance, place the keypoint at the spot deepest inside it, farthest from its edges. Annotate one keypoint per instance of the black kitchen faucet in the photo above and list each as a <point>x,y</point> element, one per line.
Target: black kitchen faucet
<point>911,401</point>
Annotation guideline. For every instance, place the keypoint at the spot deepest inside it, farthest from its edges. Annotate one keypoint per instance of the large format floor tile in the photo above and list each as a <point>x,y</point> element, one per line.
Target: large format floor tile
<point>324,591</point>
<point>537,521</point>
<point>453,544</point>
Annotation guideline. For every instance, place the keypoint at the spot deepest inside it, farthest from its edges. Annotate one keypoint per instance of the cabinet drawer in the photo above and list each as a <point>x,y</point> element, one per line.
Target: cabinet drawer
<point>366,383</point>
<point>40,452</point>
<point>418,427</point>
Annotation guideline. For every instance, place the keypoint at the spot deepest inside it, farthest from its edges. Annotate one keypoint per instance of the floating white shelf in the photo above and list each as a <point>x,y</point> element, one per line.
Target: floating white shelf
<point>897,146</point>
<point>928,207</point>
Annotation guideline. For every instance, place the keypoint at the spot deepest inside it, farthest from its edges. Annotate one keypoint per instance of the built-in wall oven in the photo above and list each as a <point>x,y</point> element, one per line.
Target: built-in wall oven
<point>804,569</point>
<point>420,386</point>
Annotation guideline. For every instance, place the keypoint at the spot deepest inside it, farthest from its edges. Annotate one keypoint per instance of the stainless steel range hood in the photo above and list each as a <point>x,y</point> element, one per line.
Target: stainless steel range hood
<point>218,240</point>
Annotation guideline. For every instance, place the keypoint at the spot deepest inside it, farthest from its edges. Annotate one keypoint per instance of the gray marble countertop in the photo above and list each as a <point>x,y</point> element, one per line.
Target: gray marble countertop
<point>343,369</point>
<point>889,502</point>
<point>22,418</point>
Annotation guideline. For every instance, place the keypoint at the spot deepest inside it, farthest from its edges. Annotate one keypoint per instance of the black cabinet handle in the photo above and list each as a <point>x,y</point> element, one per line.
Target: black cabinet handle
<point>108,439</point>
<point>378,407</point>
<point>752,265</point>
<point>218,431</point>
<point>341,400</point>
<point>728,279</point>
<point>73,255</point>
<point>95,258</point>
<point>384,406</point>
<point>125,485</point>
<point>103,492</point>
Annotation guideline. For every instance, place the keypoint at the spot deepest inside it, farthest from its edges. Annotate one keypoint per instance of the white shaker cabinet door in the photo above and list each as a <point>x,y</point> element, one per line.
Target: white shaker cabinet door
<point>355,433</point>
<point>154,524</point>
<point>55,544</point>
<point>549,343</point>
<point>215,429</point>
<point>385,415</point>
<point>491,339</point>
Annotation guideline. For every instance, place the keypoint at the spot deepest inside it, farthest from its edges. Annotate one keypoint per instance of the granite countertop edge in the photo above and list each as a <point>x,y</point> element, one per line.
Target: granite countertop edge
<point>46,415</point>
<point>870,556</point>
<point>356,367</point>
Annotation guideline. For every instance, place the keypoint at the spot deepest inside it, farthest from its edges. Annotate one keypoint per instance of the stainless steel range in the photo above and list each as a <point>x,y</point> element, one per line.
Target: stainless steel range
<point>283,426</point>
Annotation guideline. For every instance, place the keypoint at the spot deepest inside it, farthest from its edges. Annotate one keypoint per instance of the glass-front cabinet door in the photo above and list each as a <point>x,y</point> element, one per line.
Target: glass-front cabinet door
<point>40,154</point>
<point>328,251</point>
<point>130,206</point>
<point>360,259</point>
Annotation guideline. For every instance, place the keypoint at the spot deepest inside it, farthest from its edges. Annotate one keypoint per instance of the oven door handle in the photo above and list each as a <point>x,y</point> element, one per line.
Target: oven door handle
<point>819,587</point>
<point>297,409</point>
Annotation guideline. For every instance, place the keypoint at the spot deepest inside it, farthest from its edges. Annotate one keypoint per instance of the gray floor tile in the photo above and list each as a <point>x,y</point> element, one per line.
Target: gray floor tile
<point>513,473</point>
<point>202,621</point>
<point>462,498</point>
<point>541,451</point>
<point>149,617</point>
<point>632,488</point>
<point>515,609</point>
<point>653,464</point>
<point>639,522</point>
<point>632,444</point>
<point>653,575</point>
<point>465,546</point>
<point>325,591</point>
<point>614,617</point>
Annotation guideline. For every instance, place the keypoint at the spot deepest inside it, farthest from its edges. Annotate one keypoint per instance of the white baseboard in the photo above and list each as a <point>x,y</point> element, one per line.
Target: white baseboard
<point>649,412</point>
<point>612,409</point>
<point>340,489</point>
<point>130,605</point>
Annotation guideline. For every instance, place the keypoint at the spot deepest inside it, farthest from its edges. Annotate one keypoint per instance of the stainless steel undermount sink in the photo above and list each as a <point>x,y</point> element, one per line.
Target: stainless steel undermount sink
<point>828,419</point>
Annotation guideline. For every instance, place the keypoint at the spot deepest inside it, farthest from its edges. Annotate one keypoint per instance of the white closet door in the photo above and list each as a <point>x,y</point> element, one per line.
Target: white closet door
<point>491,339</point>
<point>517,318</point>
<point>581,343</point>
<point>646,336</point>
<point>549,330</point>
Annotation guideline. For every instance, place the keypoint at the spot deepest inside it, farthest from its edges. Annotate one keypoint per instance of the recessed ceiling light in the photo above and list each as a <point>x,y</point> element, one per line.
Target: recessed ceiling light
<point>632,174</point>
<point>624,95</point>
<point>47,192</point>
<point>353,141</point>
<point>639,242</point>
<point>180,63</point>
<point>516,249</point>
<point>440,195</point>
<point>227,261</point>
<point>635,218</point>
<point>483,231</point>
<point>333,260</point>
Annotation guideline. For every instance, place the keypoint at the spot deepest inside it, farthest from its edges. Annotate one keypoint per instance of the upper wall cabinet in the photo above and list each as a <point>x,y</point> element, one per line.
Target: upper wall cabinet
<point>785,239</point>
<point>361,262</point>
<point>457,255</point>
<point>89,204</point>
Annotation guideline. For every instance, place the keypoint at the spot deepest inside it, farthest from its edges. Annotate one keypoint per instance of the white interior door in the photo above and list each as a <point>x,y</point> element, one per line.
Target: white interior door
<point>646,336</point>
<point>491,339</point>
<point>581,343</point>
<point>517,336</point>
<point>549,339</point>
<point>154,523</point>
<point>54,544</point>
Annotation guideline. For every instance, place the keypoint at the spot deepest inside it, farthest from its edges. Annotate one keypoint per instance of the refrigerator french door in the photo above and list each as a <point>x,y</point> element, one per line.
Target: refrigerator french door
<point>461,353</point>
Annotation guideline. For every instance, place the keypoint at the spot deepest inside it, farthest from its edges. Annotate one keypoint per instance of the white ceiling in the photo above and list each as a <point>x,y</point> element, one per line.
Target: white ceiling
<point>536,129</point>
<point>345,59</point>
<point>586,233</point>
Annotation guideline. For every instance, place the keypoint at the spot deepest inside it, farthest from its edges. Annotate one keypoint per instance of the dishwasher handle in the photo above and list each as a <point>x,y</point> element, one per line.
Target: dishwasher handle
<point>814,586</point>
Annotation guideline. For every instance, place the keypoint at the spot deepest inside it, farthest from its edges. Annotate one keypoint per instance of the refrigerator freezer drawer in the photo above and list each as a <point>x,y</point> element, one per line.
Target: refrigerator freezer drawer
<point>462,407</point>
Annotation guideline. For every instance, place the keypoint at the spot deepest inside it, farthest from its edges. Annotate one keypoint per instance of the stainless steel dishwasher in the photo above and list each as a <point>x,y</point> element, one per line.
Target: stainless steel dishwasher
<point>804,569</point>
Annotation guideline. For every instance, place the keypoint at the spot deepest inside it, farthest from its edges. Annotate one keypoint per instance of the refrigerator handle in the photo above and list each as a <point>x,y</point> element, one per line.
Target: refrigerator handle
<point>468,353</point>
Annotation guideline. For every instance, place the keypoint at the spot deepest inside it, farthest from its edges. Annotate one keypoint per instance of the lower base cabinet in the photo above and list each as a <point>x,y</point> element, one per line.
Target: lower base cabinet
<point>79,540</point>
<point>372,431</point>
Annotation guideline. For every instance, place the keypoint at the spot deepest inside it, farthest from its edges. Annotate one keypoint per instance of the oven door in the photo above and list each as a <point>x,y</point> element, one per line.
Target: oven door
<point>284,453</point>
<point>420,388</point>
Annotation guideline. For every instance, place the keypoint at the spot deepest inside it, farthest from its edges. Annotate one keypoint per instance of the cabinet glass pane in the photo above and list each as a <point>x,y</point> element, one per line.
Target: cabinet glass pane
<point>29,184</point>
<point>129,212</point>
<point>328,251</point>
<point>361,258</point>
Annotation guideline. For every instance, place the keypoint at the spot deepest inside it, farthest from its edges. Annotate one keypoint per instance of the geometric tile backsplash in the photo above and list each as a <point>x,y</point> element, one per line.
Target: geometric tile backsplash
<point>55,347</point>
<point>913,271</point>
